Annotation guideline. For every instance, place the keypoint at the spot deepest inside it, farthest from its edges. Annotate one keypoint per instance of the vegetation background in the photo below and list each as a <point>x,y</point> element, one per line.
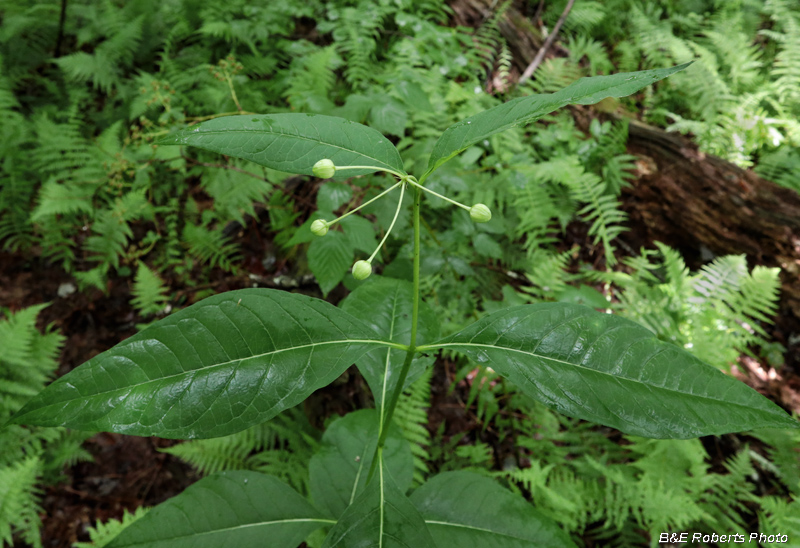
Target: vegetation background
<point>103,232</point>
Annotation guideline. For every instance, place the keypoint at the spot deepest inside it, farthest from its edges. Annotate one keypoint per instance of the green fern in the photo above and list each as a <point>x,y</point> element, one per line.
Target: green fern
<point>103,533</point>
<point>311,78</point>
<point>149,293</point>
<point>28,456</point>
<point>716,313</point>
<point>281,447</point>
<point>211,246</point>
<point>115,48</point>
<point>28,357</point>
<point>601,209</point>
<point>782,450</point>
<point>357,33</point>
<point>19,496</point>
<point>548,275</point>
<point>781,167</point>
<point>411,415</point>
<point>780,516</point>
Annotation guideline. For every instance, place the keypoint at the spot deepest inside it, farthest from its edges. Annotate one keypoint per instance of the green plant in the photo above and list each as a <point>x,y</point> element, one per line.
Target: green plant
<point>235,360</point>
<point>28,456</point>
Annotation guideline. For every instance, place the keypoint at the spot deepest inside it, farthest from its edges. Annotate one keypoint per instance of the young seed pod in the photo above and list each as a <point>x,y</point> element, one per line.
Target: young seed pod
<point>362,270</point>
<point>319,227</point>
<point>324,169</point>
<point>480,213</point>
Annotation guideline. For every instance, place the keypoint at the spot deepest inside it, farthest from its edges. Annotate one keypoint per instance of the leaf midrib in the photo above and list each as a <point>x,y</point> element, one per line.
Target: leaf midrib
<point>206,368</point>
<point>616,377</point>
<point>293,136</point>
<point>474,528</point>
<point>321,521</point>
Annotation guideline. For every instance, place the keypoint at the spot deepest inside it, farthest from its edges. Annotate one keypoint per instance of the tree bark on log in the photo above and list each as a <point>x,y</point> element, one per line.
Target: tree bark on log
<point>697,203</point>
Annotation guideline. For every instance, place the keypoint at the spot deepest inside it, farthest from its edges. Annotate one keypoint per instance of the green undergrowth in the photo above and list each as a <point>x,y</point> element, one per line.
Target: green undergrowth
<point>30,457</point>
<point>740,100</point>
<point>84,191</point>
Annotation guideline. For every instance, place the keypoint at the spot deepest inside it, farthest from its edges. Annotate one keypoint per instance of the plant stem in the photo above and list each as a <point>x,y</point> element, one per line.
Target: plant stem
<point>395,173</point>
<point>412,346</point>
<point>445,198</point>
<point>365,204</point>
<point>391,226</point>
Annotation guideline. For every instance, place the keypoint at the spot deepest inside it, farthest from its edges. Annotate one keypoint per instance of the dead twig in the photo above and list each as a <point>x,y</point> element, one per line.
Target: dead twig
<point>546,46</point>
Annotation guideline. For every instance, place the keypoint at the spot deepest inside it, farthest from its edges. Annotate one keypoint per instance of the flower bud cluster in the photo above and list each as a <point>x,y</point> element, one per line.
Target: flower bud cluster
<point>325,169</point>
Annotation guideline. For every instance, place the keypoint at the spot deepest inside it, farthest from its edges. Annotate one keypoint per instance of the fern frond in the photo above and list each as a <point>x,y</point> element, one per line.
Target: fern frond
<point>548,274</point>
<point>786,70</point>
<point>149,292</point>
<point>15,205</point>
<point>19,496</point>
<point>603,212</point>
<point>234,192</point>
<point>211,247</point>
<point>411,415</point>
<point>781,167</point>
<point>554,74</point>
<point>103,533</point>
<point>357,34</point>
<point>782,450</point>
<point>281,447</point>
<point>779,515</point>
<point>311,78</point>
<point>28,357</point>
<point>581,47</point>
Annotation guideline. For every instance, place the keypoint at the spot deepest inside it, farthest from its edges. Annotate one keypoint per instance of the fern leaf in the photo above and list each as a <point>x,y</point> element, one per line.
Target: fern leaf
<point>19,509</point>
<point>411,415</point>
<point>149,293</point>
<point>103,533</point>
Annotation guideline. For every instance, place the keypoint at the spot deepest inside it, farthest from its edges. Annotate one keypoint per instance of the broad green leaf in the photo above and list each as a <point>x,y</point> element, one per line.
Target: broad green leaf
<point>524,110</point>
<point>293,142</point>
<point>338,472</point>
<point>412,95</point>
<point>212,369</point>
<point>466,509</point>
<point>385,305</point>
<point>329,258</point>
<point>487,246</point>
<point>610,370</point>
<point>331,196</point>
<point>226,510</point>
<point>388,116</point>
<point>360,232</point>
<point>382,516</point>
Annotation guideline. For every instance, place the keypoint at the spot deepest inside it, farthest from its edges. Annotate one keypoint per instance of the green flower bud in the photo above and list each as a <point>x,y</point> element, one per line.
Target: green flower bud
<point>362,270</point>
<point>324,169</point>
<point>319,227</point>
<point>480,213</point>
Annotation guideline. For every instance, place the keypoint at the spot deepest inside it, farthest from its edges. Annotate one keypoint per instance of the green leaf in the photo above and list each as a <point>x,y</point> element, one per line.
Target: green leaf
<point>215,368</point>
<point>382,516</point>
<point>466,509</point>
<point>610,370</point>
<point>524,110</point>
<point>293,143</point>
<point>388,116</point>
<point>384,304</point>
<point>487,246</point>
<point>412,95</point>
<point>229,509</point>
<point>338,472</point>
<point>329,258</point>
<point>331,196</point>
<point>360,232</point>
